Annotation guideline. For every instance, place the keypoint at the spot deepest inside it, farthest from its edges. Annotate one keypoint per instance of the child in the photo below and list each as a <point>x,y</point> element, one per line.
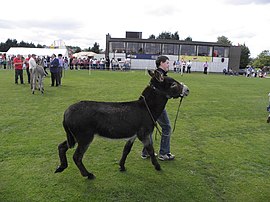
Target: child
<point>268,109</point>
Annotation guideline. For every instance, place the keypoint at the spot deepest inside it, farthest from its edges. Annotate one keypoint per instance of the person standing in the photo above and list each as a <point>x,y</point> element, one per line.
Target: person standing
<point>205,67</point>
<point>18,66</point>
<point>32,65</point>
<point>27,67</point>
<point>45,65</point>
<point>189,66</point>
<point>54,68</point>
<point>162,64</point>
<point>107,63</point>
<point>4,58</point>
<point>60,68</point>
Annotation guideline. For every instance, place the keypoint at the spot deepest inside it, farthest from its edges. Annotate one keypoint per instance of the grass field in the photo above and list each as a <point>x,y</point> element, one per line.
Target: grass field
<point>221,142</point>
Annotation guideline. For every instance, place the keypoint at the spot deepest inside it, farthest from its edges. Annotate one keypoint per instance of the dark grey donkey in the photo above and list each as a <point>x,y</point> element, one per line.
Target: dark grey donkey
<point>118,120</point>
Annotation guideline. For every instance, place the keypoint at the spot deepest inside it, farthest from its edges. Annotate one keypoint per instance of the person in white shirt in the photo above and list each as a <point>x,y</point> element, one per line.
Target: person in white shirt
<point>33,72</point>
<point>189,66</point>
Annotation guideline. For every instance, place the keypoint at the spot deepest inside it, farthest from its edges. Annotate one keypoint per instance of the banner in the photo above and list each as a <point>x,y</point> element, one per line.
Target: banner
<point>196,58</point>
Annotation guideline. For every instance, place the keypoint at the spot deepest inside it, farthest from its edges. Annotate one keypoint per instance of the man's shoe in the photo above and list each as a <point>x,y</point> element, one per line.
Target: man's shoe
<point>146,156</point>
<point>166,157</point>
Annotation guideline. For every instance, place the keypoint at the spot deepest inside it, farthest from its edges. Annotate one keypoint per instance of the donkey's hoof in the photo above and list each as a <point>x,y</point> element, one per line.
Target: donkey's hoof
<point>157,167</point>
<point>122,168</point>
<point>91,176</point>
<point>60,169</point>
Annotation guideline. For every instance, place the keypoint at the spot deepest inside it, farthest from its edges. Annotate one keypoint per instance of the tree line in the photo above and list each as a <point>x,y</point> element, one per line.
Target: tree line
<point>4,47</point>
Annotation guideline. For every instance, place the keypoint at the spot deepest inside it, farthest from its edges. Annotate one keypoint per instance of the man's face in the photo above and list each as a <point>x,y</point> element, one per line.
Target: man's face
<point>165,65</point>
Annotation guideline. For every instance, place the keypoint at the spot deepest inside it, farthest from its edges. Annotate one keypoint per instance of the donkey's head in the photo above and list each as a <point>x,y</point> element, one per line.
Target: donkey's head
<point>167,86</point>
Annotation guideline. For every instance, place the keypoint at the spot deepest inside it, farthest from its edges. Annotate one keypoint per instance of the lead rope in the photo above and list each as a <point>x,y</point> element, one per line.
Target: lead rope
<point>177,114</point>
<point>155,123</point>
<point>149,112</point>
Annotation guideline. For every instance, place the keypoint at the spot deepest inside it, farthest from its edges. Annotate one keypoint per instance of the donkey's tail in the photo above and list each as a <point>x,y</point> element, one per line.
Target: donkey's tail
<point>70,137</point>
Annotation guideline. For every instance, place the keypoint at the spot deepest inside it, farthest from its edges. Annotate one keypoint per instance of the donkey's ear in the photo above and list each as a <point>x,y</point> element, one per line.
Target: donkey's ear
<point>151,73</point>
<point>159,76</point>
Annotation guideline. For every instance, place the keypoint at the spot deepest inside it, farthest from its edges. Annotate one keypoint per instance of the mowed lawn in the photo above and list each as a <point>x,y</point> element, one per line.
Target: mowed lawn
<point>221,142</point>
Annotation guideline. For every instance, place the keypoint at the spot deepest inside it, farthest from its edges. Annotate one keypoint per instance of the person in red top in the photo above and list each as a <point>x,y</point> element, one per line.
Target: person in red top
<point>27,67</point>
<point>18,66</point>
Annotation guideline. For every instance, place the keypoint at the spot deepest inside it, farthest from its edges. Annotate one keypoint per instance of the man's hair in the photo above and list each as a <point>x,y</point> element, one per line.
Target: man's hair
<point>160,59</point>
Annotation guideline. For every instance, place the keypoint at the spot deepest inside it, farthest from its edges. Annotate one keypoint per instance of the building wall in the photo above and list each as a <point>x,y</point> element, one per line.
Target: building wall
<point>235,55</point>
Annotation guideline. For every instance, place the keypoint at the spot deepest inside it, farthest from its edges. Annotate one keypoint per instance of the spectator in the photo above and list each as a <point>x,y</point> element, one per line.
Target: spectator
<point>18,66</point>
<point>189,66</point>
<point>205,67</point>
<point>54,68</point>
<point>27,67</point>
<point>32,66</point>
<point>60,68</point>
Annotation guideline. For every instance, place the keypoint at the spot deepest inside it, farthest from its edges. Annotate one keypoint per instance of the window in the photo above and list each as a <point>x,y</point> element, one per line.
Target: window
<point>170,49</point>
<point>117,47</point>
<point>134,48</point>
<point>188,50</point>
<point>204,51</point>
<point>153,48</point>
<point>221,52</point>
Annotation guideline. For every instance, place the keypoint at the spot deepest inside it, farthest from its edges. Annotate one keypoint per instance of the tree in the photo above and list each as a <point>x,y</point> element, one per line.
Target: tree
<point>4,47</point>
<point>175,36</point>
<point>95,48</point>
<point>74,49</point>
<point>245,56</point>
<point>168,35</point>
<point>188,39</point>
<point>224,40</point>
<point>262,60</point>
<point>40,46</point>
<point>152,36</point>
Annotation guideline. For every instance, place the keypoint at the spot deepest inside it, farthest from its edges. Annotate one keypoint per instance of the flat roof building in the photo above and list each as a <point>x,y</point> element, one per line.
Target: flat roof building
<point>143,52</point>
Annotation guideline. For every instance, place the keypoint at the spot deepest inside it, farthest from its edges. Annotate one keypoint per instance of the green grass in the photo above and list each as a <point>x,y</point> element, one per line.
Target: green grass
<point>221,142</point>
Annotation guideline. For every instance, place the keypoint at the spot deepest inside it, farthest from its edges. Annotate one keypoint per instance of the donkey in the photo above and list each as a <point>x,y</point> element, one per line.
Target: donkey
<point>38,75</point>
<point>118,120</point>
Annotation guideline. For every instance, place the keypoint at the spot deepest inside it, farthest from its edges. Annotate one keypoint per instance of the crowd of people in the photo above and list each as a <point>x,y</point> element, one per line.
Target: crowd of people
<point>248,72</point>
<point>185,67</point>
<point>182,66</point>
<point>102,63</point>
<point>54,63</point>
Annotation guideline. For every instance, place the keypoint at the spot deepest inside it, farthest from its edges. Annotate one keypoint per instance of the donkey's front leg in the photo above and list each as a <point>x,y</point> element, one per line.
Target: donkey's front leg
<point>126,151</point>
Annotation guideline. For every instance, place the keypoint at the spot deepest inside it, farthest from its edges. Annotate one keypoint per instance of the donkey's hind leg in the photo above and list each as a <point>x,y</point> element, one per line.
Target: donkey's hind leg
<point>78,156</point>
<point>40,83</point>
<point>126,151</point>
<point>150,150</point>
<point>62,149</point>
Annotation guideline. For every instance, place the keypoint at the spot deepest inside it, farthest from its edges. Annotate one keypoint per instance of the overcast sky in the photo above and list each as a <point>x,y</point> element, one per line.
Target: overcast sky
<point>83,22</point>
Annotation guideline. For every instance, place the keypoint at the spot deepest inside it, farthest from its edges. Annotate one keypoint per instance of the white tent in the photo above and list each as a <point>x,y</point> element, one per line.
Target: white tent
<point>38,51</point>
<point>84,54</point>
